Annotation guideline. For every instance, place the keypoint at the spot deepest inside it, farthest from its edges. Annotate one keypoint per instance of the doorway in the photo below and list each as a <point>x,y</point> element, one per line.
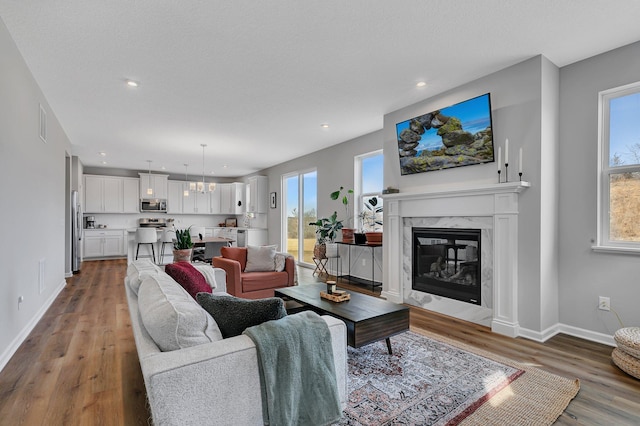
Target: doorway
<point>300,198</point>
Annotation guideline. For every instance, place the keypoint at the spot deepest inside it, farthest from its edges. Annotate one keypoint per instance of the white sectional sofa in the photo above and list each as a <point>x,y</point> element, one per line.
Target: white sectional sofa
<point>213,383</point>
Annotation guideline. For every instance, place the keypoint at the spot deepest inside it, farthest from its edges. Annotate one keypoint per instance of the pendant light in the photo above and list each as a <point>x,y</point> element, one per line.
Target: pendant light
<point>186,189</point>
<point>201,186</point>
<point>149,188</point>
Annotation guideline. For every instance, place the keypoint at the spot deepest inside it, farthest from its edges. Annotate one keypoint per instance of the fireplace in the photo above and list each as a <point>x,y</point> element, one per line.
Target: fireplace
<point>446,262</point>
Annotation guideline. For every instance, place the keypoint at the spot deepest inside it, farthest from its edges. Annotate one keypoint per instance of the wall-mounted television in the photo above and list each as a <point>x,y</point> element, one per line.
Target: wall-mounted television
<point>458,135</point>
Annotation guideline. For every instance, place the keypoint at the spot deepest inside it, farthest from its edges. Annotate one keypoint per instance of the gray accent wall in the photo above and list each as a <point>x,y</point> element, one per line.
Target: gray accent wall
<point>33,190</point>
<point>585,274</point>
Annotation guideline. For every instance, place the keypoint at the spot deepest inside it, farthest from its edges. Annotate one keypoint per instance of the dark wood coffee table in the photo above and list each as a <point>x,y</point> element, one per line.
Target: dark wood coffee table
<point>368,318</point>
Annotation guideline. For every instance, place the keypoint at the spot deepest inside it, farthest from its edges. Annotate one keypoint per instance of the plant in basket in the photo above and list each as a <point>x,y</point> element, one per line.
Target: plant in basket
<point>182,246</point>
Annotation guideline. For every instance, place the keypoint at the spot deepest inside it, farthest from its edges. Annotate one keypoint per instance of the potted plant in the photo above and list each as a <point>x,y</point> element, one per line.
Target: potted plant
<point>371,221</point>
<point>345,199</point>
<point>182,246</point>
<point>326,232</point>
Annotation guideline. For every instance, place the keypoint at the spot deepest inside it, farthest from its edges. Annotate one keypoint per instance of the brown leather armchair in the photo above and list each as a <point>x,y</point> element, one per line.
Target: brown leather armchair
<point>252,285</point>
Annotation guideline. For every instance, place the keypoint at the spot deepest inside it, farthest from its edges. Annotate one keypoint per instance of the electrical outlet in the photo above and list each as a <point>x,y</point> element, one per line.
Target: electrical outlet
<point>364,262</point>
<point>604,303</point>
<point>20,300</point>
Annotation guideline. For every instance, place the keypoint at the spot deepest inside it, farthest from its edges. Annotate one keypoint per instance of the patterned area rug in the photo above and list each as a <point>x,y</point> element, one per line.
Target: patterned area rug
<point>425,382</point>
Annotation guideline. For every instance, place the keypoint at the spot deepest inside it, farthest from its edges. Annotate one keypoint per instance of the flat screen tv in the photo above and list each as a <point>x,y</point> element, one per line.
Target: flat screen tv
<point>458,135</point>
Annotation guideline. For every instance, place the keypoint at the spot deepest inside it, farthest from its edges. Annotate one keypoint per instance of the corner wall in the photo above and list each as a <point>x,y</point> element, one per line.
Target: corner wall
<point>585,274</point>
<point>32,190</point>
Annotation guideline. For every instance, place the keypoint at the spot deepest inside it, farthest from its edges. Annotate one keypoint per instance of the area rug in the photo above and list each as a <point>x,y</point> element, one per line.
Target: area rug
<point>428,381</point>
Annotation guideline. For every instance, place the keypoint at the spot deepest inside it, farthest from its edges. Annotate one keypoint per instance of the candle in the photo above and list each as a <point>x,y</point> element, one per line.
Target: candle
<point>506,151</point>
<point>499,158</point>
<point>520,162</point>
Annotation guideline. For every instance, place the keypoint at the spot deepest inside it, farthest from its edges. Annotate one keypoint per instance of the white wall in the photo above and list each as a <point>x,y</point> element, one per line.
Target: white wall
<point>519,94</point>
<point>335,167</point>
<point>32,192</point>
<point>584,274</point>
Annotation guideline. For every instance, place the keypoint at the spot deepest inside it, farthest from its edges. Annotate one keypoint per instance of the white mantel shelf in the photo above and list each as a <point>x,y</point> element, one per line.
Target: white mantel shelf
<point>498,201</point>
<point>463,191</point>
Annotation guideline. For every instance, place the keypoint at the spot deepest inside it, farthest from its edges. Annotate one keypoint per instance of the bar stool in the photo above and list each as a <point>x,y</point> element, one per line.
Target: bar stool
<point>147,236</point>
<point>168,236</point>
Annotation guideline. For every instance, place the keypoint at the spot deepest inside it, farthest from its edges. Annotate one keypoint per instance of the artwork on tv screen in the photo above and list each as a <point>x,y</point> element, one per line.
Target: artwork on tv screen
<point>458,135</point>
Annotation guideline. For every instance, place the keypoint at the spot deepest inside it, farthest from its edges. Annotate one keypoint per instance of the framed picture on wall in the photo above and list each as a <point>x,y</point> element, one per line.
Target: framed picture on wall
<point>272,200</point>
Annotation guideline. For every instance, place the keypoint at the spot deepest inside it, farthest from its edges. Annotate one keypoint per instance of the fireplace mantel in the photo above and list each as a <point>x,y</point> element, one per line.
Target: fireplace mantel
<point>499,201</point>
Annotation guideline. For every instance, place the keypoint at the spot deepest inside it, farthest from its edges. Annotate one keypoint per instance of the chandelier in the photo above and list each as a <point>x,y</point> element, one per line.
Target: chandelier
<point>202,187</point>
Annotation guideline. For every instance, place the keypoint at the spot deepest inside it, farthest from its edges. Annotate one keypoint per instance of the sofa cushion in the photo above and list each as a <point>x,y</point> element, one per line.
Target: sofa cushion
<point>233,314</point>
<point>138,270</point>
<point>235,253</point>
<point>254,281</point>
<point>260,259</point>
<point>171,317</point>
<point>188,277</point>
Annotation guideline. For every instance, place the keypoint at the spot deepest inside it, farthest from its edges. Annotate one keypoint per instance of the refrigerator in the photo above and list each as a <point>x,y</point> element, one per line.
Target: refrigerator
<point>76,232</point>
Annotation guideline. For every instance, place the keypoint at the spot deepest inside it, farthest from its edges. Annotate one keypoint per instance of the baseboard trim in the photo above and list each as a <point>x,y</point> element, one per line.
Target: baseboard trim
<point>543,336</point>
<point>22,336</point>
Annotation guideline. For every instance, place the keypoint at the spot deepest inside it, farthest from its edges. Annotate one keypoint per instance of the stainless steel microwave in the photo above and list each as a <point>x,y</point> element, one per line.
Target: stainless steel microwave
<point>153,205</point>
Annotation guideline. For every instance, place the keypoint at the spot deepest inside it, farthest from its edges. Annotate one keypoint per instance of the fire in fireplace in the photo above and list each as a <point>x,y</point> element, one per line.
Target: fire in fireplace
<point>446,262</point>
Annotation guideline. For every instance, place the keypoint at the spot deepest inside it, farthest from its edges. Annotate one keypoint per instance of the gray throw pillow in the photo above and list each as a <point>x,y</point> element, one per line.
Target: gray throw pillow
<point>233,314</point>
<point>260,259</point>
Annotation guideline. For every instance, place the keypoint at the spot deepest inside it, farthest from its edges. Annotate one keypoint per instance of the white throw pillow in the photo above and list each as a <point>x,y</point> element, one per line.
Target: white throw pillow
<point>260,259</point>
<point>138,270</point>
<point>172,317</point>
<point>280,262</point>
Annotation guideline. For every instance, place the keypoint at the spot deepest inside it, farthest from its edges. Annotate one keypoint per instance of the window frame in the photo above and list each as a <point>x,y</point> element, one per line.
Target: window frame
<point>358,187</point>
<point>604,242</point>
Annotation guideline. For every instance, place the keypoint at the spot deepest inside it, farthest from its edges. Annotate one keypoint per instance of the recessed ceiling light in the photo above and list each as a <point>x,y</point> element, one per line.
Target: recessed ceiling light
<point>163,168</point>
<point>212,172</point>
<point>325,125</point>
<point>104,162</point>
<point>225,166</point>
<point>421,84</point>
<point>132,83</point>
<point>102,154</point>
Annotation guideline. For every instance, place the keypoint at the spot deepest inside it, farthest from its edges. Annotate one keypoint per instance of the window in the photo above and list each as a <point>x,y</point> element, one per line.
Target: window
<point>300,201</point>
<point>619,189</point>
<point>369,182</point>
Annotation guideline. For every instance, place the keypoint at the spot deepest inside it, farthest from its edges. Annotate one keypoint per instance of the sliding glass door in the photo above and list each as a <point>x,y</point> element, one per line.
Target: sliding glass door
<point>300,208</point>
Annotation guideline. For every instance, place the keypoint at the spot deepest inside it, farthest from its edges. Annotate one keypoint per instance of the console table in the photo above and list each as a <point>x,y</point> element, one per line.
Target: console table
<point>372,249</point>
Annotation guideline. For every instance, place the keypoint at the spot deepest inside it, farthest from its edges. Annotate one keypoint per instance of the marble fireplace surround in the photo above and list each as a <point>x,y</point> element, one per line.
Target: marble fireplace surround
<point>493,208</point>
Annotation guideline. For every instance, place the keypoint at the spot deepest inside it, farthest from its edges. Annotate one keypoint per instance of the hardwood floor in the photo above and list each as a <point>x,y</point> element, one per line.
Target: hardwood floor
<point>79,365</point>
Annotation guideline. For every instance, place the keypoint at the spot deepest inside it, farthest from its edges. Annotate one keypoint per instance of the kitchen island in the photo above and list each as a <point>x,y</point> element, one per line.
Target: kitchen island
<point>211,244</point>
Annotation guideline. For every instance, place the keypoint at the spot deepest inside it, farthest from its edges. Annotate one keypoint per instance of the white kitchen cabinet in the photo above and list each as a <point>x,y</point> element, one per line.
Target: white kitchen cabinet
<point>103,194</point>
<point>194,203</point>
<point>131,195</point>
<point>103,243</point>
<point>214,200</point>
<point>231,198</point>
<point>238,192</point>
<point>157,183</point>
<point>257,199</point>
<point>225,198</point>
<point>175,195</point>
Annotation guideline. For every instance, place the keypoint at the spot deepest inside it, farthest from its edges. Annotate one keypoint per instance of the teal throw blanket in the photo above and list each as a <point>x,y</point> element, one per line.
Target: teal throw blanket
<point>297,373</point>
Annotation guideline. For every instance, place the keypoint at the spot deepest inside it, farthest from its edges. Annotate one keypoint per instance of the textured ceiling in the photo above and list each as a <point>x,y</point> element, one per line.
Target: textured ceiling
<point>255,79</point>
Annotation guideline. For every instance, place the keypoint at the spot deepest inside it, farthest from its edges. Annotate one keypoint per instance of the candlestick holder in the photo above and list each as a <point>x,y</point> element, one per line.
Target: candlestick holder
<point>520,174</point>
<point>506,172</point>
<point>499,171</point>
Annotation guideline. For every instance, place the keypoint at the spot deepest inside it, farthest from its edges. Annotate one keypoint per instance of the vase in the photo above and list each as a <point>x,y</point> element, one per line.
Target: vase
<point>373,237</point>
<point>347,235</point>
<point>183,255</point>
<point>359,237</point>
<point>332,249</point>
<point>320,251</point>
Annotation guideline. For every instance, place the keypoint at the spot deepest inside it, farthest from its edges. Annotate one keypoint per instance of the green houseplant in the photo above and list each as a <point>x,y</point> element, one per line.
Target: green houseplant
<point>345,196</point>
<point>182,246</point>
<point>326,232</point>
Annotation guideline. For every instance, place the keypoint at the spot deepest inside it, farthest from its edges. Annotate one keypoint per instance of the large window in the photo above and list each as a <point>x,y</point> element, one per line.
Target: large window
<point>369,182</point>
<point>300,208</point>
<point>619,190</point>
